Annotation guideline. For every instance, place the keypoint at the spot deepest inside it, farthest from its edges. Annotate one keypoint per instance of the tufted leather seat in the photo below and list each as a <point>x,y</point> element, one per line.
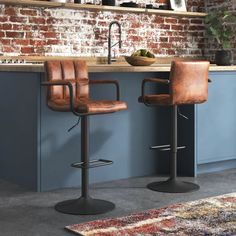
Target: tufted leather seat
<point>188,84</point>
<point>86,106</point>
<point>76,73</point>
<point>68,91</point>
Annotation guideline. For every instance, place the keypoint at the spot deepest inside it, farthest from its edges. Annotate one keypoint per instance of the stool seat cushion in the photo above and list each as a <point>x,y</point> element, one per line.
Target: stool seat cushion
<point>87,106</point>
<point>157,99</point>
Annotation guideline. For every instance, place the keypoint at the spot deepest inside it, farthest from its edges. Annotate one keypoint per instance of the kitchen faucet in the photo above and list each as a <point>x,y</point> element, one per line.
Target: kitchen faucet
<point>109,40</point>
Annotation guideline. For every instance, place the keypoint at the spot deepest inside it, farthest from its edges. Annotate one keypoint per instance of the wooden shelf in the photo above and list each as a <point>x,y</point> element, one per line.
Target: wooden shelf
<point>31,3</point>
<point>47,4</point>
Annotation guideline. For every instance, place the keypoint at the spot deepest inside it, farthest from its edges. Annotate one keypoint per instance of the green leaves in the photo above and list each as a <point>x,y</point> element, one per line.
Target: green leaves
<point>219,26</point>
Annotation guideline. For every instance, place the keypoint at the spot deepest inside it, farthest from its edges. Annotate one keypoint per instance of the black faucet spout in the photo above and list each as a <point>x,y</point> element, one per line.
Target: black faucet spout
<point>109,39</point>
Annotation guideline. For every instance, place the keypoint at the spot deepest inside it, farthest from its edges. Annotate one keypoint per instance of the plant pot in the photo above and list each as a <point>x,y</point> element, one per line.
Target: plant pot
<point>223,58</point>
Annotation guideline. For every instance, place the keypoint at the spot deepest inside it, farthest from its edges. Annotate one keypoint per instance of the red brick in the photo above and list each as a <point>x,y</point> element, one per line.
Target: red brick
<point>196,27</point>
<point>171,20</point>
<point>13,34</point>
<point>196,21</point>
<point>27,50</point>
<point>170,52</point>
<point>165,45</point>
<point>52,42</point>
<point>152,45</point>
<point>28,12</point>
<point>163,39</point>
<point>93,22</point>
<point>36,20</point>
<point>50,34</point>
<point>26,27</point>
<point>135,25</point>
<point>7,26</point>
<point>22,42</point>
<point>164,26</point>
<point>37,43</point>
<point>158,20</point>
<point>28,35</point>
<point>43,28</point>
<point>17,27</point>
<point>5,41</point>
<point>176,39</point>
<point>176,27</point>
<point>18,19</point>
<point>184,21</point>
<point>7,49</point>
<point>135,38</point>
<point>10,11</point>
<point>51,21</point>
<point>3,19</point>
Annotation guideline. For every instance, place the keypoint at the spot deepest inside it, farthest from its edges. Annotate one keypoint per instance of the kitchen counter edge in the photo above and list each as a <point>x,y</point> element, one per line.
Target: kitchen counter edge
<point>103,68</point>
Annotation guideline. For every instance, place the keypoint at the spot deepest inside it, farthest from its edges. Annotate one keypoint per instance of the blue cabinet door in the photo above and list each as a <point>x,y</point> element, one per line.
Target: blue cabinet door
<point>216,120</point>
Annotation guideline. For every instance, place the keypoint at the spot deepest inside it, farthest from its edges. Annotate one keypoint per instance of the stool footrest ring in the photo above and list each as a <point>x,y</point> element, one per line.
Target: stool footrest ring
<point>92,164</point>
<point>166,147</point>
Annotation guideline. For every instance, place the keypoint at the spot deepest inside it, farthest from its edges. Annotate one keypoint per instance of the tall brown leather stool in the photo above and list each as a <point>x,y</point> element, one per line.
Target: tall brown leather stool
<point>188,84</point>
<point>69,92</point>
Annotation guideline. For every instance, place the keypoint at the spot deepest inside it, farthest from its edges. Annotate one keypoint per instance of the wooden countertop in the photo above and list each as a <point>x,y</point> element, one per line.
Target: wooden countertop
<point>124,67</point>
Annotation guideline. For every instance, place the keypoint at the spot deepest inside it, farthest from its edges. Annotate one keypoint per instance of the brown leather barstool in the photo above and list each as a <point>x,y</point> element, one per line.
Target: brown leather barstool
<point>188,84</point>
<point>69,92</point>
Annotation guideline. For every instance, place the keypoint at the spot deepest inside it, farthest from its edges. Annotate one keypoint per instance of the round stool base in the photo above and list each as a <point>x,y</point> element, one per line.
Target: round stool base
<point>173,186</point>
<point>84,206</point>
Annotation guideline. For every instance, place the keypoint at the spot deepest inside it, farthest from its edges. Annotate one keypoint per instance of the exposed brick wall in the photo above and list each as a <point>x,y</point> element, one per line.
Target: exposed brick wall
<point>39,31</point>
<point>211,45</point>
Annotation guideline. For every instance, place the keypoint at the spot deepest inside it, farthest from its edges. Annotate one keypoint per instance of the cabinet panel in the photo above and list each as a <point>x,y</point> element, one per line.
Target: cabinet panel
<point>216,120</point>
<point>20,97</point>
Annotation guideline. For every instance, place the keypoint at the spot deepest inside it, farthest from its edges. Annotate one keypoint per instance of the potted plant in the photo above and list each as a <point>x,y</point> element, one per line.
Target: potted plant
<point>219,26</point>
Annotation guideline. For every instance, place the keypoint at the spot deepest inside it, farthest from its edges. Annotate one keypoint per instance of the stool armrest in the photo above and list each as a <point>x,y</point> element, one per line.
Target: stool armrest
<point>154,80</point>
<point>67,83</point>
<point>108,82</point>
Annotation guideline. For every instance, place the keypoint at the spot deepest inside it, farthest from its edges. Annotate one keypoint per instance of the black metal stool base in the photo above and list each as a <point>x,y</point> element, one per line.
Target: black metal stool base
<point>84,206</point>
<point>173,186</point>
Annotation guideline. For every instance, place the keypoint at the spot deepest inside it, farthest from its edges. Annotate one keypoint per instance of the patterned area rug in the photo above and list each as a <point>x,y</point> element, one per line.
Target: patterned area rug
<point>214,216</point>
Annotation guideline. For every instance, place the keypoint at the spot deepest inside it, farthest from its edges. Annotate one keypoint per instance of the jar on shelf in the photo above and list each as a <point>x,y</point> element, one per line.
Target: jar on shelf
<point>109,2</point>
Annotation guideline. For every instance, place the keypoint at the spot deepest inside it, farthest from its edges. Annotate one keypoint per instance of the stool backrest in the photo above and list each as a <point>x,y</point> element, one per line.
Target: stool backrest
<point>189,82</point>
<point>67,70</point>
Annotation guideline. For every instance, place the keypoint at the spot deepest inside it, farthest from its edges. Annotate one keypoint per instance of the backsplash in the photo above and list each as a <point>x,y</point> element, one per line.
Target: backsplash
<point>65,32</point>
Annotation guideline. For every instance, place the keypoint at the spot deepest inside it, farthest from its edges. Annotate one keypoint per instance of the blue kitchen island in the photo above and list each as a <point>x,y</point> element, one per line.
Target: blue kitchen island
<point>37,150</point>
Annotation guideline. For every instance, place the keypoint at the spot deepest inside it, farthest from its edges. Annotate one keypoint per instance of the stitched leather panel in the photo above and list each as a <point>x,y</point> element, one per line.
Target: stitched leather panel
<point>81,75</point>
<point>57,70</point>
<point>68,72</point>
<point>58,98</point>
<point>54,72</point>
<point>189,82</point>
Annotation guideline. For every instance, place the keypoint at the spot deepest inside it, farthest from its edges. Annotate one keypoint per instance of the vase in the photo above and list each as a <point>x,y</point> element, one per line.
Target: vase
<point>109,2</point>
<point>223,57</point>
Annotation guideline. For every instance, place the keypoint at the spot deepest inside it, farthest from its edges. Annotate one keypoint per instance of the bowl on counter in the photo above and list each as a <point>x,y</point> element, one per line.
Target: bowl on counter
<point>140,61</point>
